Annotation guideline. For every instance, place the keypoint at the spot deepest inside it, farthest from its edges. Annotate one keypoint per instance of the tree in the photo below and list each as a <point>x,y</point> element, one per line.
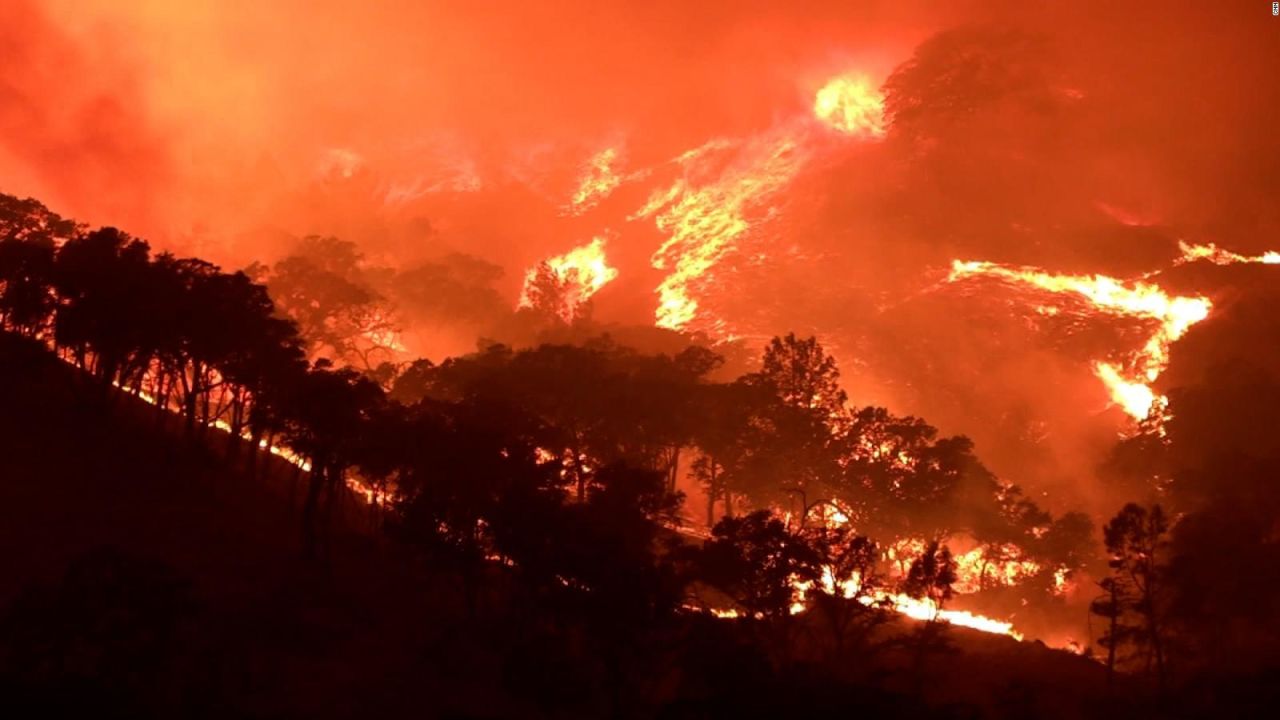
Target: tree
<point>931,576</point>
<point>804,376</point>
<point>756,561</point>
<point>28,220</point>
<point>103,281</point>
<point>324,416</point>
<point>26,284</point>
<point>1135,539</point>
<point>452,295</point>
<point>848,597</point>
<point>324,288</point>
<point>903,481</point>
<point>1112,605</point>
<point>792,437</point>
<point>1069,544</point>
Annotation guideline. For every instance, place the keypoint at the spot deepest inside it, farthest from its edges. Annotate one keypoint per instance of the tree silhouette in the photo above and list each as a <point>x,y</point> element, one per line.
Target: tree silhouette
<point>28,220</point>
<point>324,416</point>
<point>1135,539</point>
<point>101,280</point>
<point>931,576</point>
<point>323,288</point>
<point>804,376</point>
<point>26,284</point>
<point>756,560</point>
<point>847,598</point>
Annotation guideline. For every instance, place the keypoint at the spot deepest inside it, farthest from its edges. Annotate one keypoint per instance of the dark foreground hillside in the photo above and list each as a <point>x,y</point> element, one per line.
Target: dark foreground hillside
<point>144,575</point>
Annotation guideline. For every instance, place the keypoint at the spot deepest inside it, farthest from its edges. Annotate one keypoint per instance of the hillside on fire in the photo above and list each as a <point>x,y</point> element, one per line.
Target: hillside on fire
<point>173,462</point>
<point>652,360</point>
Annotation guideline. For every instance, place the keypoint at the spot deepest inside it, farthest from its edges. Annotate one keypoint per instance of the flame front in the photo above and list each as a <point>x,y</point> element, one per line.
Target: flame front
<point>915,608</point>
<point>596,183</point>
<point>581,273</point>
<point>1218,256</point>
<point>852,105</point>
<point>728,188</point>
<point>1174,316</point>
<point>706,220</point>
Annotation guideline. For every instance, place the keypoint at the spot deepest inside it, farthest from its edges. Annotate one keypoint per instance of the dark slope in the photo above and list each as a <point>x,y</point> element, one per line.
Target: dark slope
<point>146,575</point>
<point>103,491</point>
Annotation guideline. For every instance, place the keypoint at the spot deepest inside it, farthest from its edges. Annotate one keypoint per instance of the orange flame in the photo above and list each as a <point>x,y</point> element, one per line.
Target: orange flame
<point>976,571</point>
<point>728,189</point>
<point>916,608</point>
<point>582,271</point>
<point>597,182</point>
<point>705,221</point>
<point>1218,256</point>
<point>1175,315</point>
<point>852,105</point>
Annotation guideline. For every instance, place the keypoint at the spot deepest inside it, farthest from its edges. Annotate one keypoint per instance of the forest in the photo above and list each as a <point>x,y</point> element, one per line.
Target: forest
<point>669,538</point>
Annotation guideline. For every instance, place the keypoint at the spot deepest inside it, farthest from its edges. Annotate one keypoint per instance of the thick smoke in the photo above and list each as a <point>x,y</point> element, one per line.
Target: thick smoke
<point>1082,138</point>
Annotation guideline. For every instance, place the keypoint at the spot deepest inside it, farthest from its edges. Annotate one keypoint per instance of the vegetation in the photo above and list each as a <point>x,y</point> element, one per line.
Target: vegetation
<point>542,481</point>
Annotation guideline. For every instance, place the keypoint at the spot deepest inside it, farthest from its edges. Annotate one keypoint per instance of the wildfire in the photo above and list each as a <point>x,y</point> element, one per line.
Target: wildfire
<point>916,608</point>
<point>579,274</point>
<point>977,569</point>
<point>729,188</point>
<point>1174,316</point>
<point>928,610</point>
<point>705,221</point>
<point>596,183</point>
<point>852,105</point>
<point>1218,256</point>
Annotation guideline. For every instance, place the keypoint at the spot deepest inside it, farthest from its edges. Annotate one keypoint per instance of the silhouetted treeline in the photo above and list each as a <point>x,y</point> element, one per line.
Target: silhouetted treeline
<point>546,477</point>
<point>1193,597</point>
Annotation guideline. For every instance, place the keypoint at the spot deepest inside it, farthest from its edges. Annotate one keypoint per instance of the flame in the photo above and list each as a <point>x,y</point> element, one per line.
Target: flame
<point>1136,398</point>
<point>852,105</point>
<point>597,182</point>
<point>916,608</point>
<point>928,610</point>
<point>975,571</point>
<point>582,271</point>
<point>728,189</point>
<point>705,221</point>
<point>1218,256</point>
<point>1174,315</point>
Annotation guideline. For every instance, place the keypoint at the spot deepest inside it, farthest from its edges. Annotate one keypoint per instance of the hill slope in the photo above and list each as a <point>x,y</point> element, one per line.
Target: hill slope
<point>145,574</point>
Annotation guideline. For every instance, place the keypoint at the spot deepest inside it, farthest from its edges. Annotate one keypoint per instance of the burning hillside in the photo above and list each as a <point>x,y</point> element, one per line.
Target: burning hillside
<point>849,312</point>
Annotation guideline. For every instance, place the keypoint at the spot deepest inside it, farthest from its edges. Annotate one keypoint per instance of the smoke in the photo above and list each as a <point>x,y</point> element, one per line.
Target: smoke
<point>1081,138</point>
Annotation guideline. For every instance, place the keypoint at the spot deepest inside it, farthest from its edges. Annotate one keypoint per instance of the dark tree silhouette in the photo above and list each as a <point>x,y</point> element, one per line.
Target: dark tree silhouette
<point>848,596</point>
<point>1135,594</point>
<point>26,284</point>
<point>324,415</point>
<point>756,561</point>
<point>931,576</point>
